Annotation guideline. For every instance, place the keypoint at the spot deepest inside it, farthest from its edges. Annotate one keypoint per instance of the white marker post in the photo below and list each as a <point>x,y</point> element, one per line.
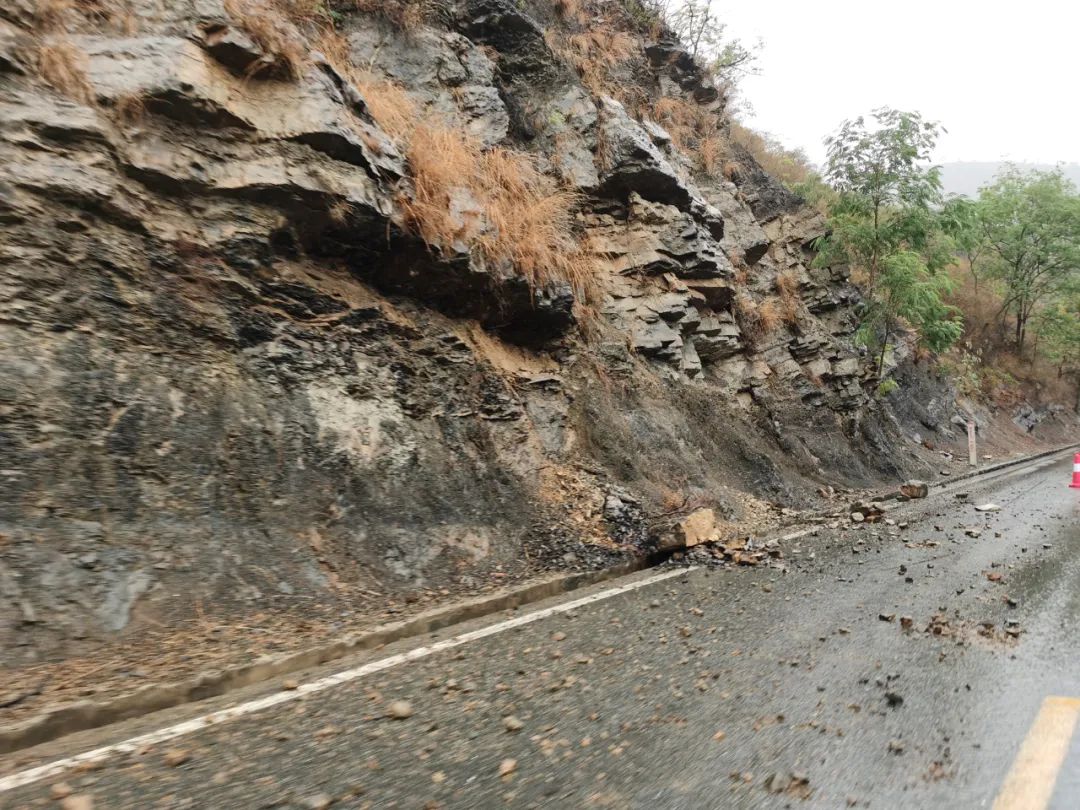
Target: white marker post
<point>973,457</point>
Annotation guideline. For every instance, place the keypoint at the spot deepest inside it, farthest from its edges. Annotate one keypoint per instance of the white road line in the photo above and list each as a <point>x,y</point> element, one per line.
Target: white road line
<point>31,775</point>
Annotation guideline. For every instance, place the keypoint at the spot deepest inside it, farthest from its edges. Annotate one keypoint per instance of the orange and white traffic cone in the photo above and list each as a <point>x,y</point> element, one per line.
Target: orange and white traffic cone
<point>1076,472</point>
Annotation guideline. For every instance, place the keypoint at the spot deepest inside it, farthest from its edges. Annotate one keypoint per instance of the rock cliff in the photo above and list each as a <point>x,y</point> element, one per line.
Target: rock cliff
<point>241,371</point>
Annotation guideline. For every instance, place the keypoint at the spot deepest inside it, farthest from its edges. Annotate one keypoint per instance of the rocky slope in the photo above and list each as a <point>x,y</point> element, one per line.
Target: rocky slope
<point>236,377</point>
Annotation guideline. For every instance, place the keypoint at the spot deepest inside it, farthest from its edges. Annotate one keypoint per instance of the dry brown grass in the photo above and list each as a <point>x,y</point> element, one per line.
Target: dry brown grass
<point>274,32</point>
<point>595,54</point>
<point>497,204</point>
<point>790,167</point>
<point>790,304</point>
<point>711,155</point>
<point>340,212</point>
<point>62,65</point>
<point>572,11</point>
<point>787,284</point>
<point>311,11</point>
<point>789,309</point>
<point>404,14</point>
<point>129,109</point>
<point>757,320</point>
<point>389,104</point>
<point>745,310</point>
<point>694,130</point>
<point>50,15</point>
<point>770,314</point>
<point>859,277</point>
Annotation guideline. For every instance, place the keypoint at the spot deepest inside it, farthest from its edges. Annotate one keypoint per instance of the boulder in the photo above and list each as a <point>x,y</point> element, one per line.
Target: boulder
<point>634,162</point>
<point>696,528</point>
<point>914,489</point>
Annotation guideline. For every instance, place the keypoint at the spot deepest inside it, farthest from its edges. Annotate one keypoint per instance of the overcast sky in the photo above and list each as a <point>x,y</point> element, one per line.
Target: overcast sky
<point>1002,77</point>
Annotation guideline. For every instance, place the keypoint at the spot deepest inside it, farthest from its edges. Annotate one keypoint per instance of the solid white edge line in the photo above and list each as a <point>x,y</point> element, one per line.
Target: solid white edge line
<point>32,775</point>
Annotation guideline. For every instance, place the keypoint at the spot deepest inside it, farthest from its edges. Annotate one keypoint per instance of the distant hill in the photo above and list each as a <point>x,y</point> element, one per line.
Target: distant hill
<point>965,178</point>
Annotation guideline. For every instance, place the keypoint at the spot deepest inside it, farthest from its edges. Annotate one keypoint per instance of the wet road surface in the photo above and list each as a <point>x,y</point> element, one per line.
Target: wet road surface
<point>709,689</point>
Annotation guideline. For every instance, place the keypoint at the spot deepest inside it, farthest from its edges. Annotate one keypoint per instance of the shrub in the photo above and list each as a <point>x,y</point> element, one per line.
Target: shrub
<point>886,387</point>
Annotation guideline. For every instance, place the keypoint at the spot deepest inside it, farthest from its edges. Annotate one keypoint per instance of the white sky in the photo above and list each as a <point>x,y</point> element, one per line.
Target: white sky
<point>1002,77</point>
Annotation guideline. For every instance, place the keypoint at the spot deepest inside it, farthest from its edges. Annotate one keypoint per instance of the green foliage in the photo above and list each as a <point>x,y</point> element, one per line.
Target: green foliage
<point>960,220</point>
<point>698,25</point>
<point>1058,328</point>
<point>1031,224</point>
<point>885,222</point>
<point>886,387</point>
<point>644,13</point>
<point>909,289</point>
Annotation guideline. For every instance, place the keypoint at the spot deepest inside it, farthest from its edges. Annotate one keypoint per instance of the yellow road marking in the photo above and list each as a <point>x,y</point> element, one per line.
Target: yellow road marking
<point>1030,783</point>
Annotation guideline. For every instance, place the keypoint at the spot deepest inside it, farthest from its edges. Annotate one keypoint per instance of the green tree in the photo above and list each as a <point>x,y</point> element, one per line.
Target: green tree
<point>1057,327</point>
<point>697,24</point>
<point>1031,222</point>
<point>885,222</point>
<point>960,220</point>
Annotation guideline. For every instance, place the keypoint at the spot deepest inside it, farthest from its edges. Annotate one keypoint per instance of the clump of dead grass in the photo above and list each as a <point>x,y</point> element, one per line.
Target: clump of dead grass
<point>572,11</point>
<point>496,203</point>
<point>789,310</point>
<point>787,287</point>
<point>740,272</point>
<point>757,320</point>
<point>695,130</point>
<point>340,212</point>
<point>62,65</point>
<point>595,54</point>
<point>388,103</point>
<point>787,283</point>
<point>403,14</point>
<point>770,313</point>
<point>787,165</point>
<point>51,15</point>
<point>129,109</point>
<point>275,34</point>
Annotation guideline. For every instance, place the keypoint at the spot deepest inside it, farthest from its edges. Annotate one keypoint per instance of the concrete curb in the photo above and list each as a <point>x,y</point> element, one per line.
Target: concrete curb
<point>1004,465</point>
<point>68,718</point>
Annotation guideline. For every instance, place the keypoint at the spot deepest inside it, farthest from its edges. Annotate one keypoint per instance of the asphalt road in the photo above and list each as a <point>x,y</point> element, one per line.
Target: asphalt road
<point>709,689</point>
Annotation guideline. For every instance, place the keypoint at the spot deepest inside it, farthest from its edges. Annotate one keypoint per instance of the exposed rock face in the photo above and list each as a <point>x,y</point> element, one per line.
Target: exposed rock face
<point>230,373</point>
